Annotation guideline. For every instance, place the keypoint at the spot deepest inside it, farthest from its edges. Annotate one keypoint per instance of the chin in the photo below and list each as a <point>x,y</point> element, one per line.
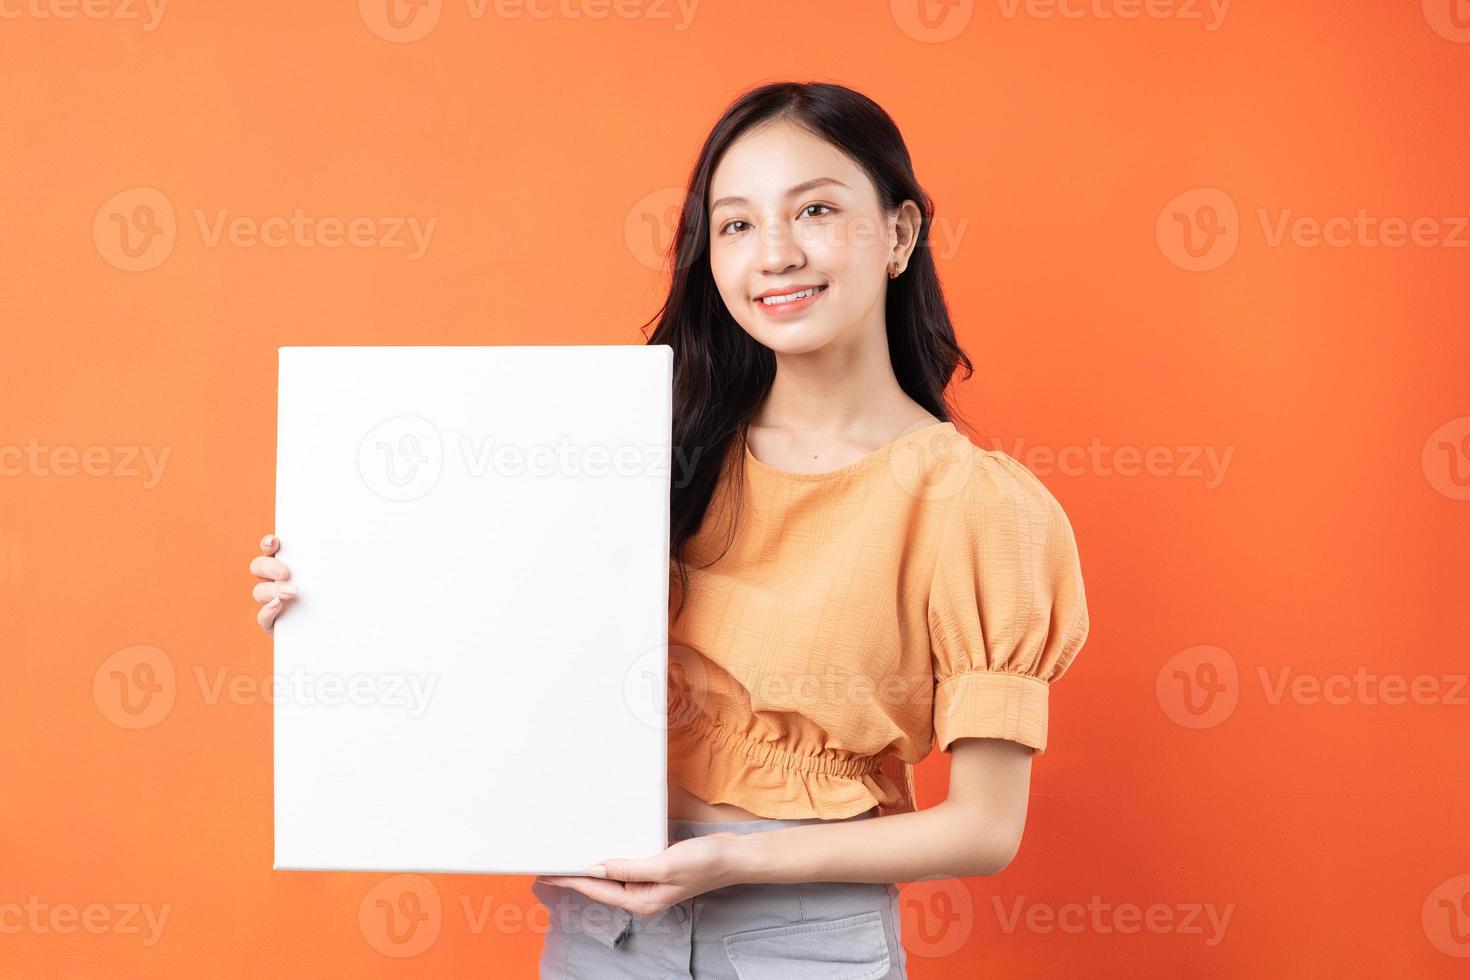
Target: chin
<point>798,338</point>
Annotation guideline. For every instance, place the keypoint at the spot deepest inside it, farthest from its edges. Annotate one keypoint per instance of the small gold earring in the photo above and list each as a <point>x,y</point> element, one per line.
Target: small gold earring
<point>893,271</point>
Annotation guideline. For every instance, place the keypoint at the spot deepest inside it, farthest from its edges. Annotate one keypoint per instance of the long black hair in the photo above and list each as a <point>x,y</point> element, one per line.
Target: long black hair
<point>721,373</point>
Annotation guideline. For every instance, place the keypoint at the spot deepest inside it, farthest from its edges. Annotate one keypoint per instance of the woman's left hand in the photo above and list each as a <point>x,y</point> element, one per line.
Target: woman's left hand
<point>647,886</point>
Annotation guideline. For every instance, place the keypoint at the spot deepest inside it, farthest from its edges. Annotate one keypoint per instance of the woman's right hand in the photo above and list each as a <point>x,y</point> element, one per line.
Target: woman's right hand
<point>272,591</point>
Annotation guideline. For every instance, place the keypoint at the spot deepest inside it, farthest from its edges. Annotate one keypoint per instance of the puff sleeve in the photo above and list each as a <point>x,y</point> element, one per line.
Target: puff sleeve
<point>1007,612</point>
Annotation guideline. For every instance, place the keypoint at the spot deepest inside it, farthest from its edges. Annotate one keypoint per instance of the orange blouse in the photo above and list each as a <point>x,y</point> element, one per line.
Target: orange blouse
<point>928,592</point>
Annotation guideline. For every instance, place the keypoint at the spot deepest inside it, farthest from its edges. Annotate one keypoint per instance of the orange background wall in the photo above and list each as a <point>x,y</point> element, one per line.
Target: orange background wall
<point>1105,314</point>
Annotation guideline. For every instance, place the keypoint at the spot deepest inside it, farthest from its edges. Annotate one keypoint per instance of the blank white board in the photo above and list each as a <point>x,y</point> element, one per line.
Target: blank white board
<point>471,678</point>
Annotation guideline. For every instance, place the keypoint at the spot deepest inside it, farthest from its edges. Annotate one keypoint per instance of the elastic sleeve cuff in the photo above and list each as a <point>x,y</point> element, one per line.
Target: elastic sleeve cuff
<point>991,704</point>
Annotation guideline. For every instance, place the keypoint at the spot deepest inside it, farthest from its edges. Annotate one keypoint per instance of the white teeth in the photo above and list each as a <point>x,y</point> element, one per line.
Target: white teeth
<point>789,297</point>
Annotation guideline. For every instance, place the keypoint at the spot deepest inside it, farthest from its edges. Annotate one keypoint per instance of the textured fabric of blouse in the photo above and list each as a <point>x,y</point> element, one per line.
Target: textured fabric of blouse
<point>859,617</point>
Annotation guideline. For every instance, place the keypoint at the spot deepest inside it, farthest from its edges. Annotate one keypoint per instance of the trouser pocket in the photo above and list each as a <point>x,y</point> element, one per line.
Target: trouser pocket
<point>850,947</point>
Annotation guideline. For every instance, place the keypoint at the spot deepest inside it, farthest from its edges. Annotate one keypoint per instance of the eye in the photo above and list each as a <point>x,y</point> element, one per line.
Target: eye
<point>826,209</point>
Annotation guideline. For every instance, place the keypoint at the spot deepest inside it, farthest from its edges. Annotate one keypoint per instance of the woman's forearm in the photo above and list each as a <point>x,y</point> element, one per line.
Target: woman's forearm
<point>948,838</point>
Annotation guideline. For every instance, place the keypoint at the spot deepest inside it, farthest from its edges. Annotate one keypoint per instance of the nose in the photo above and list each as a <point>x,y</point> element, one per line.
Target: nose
<point>780,250</point>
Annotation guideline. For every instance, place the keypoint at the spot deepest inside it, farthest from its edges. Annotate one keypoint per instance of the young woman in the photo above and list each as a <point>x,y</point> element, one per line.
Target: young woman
<point>853,581</point>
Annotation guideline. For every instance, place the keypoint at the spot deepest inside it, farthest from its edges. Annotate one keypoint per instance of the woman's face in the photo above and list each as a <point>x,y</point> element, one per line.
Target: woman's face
<point>787,211</point>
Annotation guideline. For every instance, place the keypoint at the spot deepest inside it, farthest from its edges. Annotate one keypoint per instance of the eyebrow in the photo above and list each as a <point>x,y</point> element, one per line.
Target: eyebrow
<point>798,189</point>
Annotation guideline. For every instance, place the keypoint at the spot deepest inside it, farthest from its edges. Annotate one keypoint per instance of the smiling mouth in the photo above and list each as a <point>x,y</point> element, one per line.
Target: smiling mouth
<point>785,298</point>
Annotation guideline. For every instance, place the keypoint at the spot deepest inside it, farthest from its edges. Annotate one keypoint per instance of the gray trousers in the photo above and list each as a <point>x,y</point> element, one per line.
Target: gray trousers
<point>837,930</point>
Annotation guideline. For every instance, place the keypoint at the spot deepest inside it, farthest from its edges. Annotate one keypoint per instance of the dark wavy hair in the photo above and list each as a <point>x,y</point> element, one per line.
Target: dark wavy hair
<point>721,373</point>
